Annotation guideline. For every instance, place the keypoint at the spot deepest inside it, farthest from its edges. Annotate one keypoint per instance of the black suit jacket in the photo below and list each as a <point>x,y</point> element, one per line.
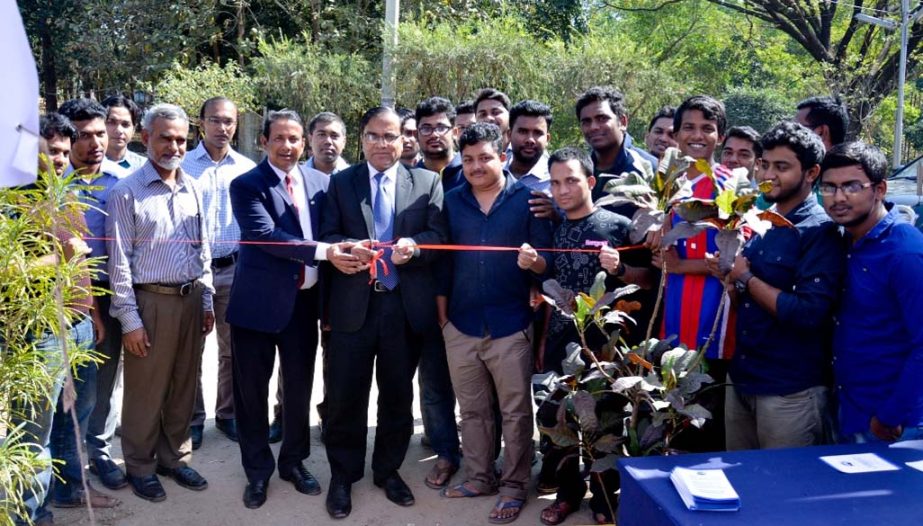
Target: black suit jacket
<point>266,277</point>
<point>348,216</point>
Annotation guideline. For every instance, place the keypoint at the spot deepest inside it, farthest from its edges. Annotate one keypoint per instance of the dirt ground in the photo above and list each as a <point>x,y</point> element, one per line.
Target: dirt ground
<point>220,505</point>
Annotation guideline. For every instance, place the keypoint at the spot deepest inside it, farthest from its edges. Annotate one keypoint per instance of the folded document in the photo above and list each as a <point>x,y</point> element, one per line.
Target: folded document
<point>705,489</point>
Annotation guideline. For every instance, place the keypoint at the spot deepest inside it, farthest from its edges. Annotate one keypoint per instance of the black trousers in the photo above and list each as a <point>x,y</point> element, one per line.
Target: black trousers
<point>382,341</point>
<point>254,355</point>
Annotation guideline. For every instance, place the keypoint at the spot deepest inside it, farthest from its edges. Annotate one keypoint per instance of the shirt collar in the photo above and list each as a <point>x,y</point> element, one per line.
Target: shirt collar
<point>390,173</point>
<point>538,171</point>
<point>881,228</point>
<point>278,171</point>
<point>149,175</point>
<point>200,152</point>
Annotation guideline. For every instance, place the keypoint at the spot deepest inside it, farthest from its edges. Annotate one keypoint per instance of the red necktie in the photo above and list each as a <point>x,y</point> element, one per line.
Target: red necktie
<point>291,193</point>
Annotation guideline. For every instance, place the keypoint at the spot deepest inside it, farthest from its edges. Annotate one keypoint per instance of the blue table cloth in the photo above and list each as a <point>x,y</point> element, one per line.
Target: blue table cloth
<point>780,487</point>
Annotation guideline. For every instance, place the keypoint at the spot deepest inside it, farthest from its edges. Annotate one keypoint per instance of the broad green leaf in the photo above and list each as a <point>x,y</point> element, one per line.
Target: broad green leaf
<point>691,382</point>
<point>606,463</point>
<point>559,297</point>
<point>573,363</point>
<point>626,382</point>
<point>725,203</point>
<point>696,413</point>
<point>682,230</point>
<point>608,443</point>
<point>585,410</point>
<point>599,286</point>
<point>694,209</point>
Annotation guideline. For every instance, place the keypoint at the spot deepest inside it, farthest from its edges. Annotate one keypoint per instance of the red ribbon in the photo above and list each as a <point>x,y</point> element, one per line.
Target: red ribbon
<point>373,265</point>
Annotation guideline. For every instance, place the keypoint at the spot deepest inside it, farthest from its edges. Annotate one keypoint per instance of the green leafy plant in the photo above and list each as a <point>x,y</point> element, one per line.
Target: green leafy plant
<point>616,401</point>
<point>36,297</point>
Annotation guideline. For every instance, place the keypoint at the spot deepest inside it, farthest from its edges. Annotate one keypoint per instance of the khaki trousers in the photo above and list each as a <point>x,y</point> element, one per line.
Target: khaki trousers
<point>772,421</point>
<point>160,389</point>
<point>482,369</point>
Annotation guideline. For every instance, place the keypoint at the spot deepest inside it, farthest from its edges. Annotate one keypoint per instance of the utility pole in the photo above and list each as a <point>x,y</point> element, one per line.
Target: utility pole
<point>392,19</point>
<point>908,18</point>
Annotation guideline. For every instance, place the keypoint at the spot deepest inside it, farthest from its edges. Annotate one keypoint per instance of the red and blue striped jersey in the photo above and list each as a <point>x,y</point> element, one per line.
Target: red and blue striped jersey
<point>691,301</point>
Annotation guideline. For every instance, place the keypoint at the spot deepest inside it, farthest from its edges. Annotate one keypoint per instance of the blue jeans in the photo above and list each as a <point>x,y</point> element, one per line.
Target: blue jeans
<point>64,446</point>
<point>437,399</point>
<point>105,416</point>
<point>37,430</point>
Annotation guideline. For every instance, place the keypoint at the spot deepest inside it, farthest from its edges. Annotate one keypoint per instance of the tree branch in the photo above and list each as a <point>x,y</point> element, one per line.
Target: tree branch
<point>848,35</point>
<point>644,9</point>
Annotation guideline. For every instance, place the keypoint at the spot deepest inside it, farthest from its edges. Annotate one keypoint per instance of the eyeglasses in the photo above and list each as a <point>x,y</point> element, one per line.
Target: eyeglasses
<point>440,129</point>
<point>850,188</point>
<point>217,121</point>
<point>374,138</point>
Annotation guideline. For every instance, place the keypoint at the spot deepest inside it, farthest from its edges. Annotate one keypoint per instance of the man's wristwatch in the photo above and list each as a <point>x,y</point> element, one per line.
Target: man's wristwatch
<point>741,283</point>
<point>620,270</point>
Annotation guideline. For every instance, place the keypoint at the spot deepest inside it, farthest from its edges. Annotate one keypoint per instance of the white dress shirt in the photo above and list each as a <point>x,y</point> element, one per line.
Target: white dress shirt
<point>304,219</point>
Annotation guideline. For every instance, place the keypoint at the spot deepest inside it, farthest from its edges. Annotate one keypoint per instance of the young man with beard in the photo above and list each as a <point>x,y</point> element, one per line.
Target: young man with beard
<point>435,119</point>
<point>214,164</point>
<point>784,287</point>
<point>584,227</point>
<point>530,122</point>
<point>437,398</point>
<point>162,295</point>
<point>488,323</point>
<point>660,132</point>
<point>121,118</point>
<point>94,183</point>
<point>877,337</point>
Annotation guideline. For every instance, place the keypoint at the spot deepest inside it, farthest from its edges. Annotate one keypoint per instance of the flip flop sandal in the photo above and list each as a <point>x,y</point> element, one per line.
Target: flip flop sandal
<point>443,473</point>
<point>513,504</point>
<point>465,492</point>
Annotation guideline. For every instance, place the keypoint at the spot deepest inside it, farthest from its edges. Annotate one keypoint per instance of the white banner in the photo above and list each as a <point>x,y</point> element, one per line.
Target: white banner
<point>19,120</point>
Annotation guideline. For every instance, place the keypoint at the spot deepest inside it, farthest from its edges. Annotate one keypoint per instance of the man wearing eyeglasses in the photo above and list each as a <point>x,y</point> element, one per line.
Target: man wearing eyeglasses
<point>435,120</point>
<point>784,287</point>
<point>214,164</point>
<point>377,322</point>
<point>877,337</point>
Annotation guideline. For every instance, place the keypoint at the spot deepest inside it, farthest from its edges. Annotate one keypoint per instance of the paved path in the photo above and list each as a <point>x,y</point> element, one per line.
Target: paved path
<point>220,505</point>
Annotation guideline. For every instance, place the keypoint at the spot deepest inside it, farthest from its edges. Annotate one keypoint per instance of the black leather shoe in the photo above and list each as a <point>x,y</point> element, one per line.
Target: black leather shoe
<point>185,477</point>
<point>275,431</point>
<point>339,500</point>
<point>396,490</point>
<point>228,426</point>
<point>195,433</point>
<point>109,473</point>
<point>255,494</point>
<point>303,480</point>
<point>148,488</point>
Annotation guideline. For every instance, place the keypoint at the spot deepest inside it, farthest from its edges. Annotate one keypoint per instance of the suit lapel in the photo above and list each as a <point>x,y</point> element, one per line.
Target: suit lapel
<point>363,189</point>
<point>403,188</point>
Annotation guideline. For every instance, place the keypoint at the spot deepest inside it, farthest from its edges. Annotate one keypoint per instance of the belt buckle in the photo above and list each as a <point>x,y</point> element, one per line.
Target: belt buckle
<point>379,287</point>
<point>185,289</point>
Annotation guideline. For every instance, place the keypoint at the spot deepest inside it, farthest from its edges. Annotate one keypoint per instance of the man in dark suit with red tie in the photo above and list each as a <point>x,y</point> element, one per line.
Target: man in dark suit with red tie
<point>275,302</point>
<point>379,322</point>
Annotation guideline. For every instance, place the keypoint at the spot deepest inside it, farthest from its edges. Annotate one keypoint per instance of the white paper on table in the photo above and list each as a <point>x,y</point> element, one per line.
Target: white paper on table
<point>908,444</point>
<point>859,463</point>
<point>918,465</point>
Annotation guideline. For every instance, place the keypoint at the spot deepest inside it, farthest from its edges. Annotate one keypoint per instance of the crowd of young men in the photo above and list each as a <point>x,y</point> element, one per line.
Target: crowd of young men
<point>274,252</point>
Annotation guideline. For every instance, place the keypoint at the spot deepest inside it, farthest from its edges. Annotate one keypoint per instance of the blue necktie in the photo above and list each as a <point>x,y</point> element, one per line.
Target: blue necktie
<point>384,230</point>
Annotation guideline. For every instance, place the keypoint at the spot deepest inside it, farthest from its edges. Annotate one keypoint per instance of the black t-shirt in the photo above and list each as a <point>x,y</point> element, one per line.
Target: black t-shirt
<point>577,271</point>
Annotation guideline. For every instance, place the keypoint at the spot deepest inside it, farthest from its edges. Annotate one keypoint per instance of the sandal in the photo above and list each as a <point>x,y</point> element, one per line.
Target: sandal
<point>556,513</point>
<point>440,475</point>
<point>464,491</point>
<point>514,505</point>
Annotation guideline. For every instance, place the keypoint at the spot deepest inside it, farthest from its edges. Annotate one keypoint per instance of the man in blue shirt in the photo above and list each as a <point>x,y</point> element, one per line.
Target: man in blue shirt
<point>783,287</point>
<point>878,337</point>
<point>487,326</point>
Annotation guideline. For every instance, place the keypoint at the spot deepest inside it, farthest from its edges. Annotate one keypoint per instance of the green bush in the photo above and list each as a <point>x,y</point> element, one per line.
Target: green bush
<point>189,88</point>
